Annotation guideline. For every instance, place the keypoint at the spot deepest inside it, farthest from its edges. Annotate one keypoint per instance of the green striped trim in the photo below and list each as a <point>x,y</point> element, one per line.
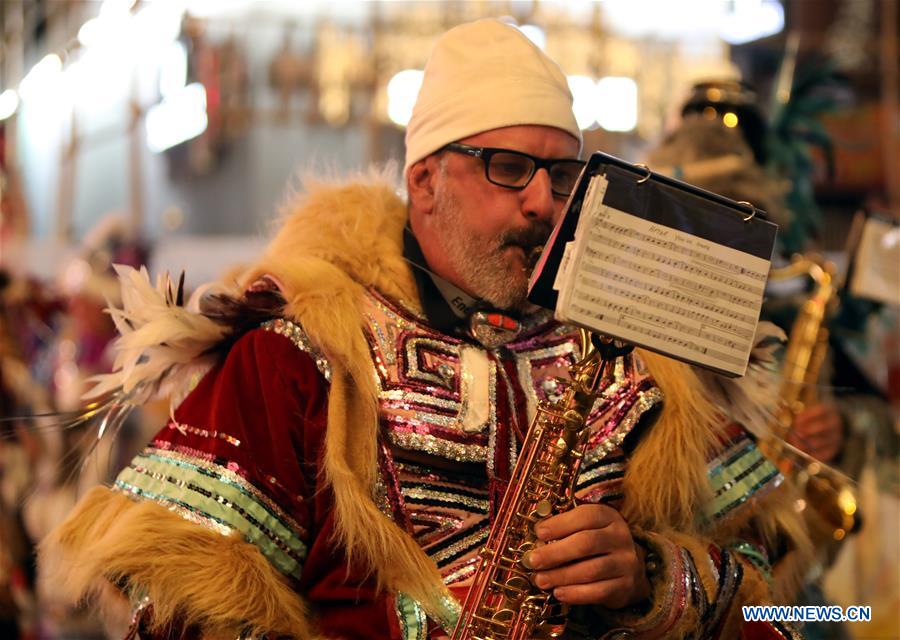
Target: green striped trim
<point>413,624</point>
<point>759,559</point>
<point>196,489</point>
<point>738,479</point>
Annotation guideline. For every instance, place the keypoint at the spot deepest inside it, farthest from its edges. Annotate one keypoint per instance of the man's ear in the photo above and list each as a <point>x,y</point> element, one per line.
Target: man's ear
<point>420,183</point>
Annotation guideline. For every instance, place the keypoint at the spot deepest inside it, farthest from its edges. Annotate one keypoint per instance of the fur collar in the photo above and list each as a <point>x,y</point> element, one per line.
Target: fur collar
<point>336,241</point>
<point>356,226</point>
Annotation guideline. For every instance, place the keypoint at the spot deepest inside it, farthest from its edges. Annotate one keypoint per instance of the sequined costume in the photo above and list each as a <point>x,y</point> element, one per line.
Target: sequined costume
<point>335,472</point>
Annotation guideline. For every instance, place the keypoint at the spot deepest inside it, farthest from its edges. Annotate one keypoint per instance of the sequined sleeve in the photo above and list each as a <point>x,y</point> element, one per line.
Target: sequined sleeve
<point>234,473</point>
<point>699,589</point>
<point>217,462</point>
<point>700,581</point>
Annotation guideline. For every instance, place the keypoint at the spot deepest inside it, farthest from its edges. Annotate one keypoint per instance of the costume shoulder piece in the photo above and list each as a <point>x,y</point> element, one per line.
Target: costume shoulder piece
<point>166,343</point>
<point>336,240</point>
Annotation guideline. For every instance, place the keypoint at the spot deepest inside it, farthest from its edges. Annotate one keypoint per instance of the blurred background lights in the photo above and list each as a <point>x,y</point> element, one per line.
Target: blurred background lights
<point>735,21</point>
<point>173,69</point>
<point>212,8</point>
<point>179,117</point>
<point>617,104</point>
<point>97,80</point>
<point>751,19</point>
<point>116,7</point>
<point>9,102</point>
<point>157,25</point>
<point>535,34</point>
<point>402,91</point>
<point>584,100</point>
<point>42,79</point>
<point>91,32</point>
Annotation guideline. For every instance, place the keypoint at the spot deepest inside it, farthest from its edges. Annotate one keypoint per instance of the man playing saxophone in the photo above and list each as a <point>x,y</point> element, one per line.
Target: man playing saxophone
<point>340,463</point>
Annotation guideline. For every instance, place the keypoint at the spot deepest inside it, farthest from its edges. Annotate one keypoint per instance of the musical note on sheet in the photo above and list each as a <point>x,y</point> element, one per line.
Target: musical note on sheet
<point>660,287</point>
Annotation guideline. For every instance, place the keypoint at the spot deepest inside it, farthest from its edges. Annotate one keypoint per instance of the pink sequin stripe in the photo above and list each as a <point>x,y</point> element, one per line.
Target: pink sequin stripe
<point>611,414</point>
<point>392,488</point>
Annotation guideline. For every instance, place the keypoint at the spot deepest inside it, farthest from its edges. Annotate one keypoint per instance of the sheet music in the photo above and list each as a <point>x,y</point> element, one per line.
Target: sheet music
<point>660,287</point>
<point>876,274</point>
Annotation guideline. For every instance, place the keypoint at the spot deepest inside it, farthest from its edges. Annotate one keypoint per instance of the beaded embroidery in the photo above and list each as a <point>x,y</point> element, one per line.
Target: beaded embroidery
<point>219,498</point>
<point>431,388</point>
<point>295,333</point>
<point>740,473</point>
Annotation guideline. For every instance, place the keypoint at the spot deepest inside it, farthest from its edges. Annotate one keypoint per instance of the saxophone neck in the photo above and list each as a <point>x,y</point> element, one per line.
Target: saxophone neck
<point>598,356</point>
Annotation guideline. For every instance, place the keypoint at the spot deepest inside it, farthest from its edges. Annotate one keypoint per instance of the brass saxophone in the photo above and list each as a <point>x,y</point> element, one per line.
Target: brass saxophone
<point>828,493</point>
<point>502,603</point>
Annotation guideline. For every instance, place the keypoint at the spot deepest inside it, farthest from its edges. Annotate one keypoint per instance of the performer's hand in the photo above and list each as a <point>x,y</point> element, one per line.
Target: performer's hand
<point>819,431</point>
<point>590,558</point>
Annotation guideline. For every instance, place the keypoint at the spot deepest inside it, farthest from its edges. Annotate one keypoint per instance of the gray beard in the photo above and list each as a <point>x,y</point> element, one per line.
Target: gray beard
<point>485,271</point>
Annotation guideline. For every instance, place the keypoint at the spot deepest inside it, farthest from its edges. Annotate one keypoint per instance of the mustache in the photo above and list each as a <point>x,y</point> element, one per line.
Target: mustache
<point>527,237</point>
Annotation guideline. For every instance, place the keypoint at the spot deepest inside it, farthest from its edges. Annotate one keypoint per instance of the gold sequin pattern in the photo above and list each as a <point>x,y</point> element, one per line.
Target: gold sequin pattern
<point>471,541</point>
<point>381,496</point>
<point>298,336</point>
<point>438,446</point>
<point>412,347</point>
<point>411,397</point>
<point>204,433</point>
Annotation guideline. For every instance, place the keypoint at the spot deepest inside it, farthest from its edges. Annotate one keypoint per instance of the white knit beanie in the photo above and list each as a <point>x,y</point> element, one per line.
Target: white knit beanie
<point>485,75</point>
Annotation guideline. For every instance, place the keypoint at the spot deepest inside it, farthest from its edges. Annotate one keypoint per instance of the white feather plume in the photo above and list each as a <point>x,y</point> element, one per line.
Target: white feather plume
<point>162,345</point>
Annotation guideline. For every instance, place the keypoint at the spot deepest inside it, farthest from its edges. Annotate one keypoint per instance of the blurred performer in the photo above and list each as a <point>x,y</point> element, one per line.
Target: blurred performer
<point>20,449</point>
<point>338,466</point>
<point>72,458</point>
<point>713,149</point>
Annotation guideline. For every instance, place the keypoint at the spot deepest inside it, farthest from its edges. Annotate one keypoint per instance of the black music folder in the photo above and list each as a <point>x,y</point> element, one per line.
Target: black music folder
<point>658,263</point>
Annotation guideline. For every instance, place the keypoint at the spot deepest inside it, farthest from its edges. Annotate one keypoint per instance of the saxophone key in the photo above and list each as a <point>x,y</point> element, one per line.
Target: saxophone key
<point>514,587</point>
<point>543,508</point>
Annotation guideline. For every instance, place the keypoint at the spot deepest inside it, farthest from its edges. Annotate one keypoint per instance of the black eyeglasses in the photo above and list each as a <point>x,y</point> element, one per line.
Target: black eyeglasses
<point>514,169</point>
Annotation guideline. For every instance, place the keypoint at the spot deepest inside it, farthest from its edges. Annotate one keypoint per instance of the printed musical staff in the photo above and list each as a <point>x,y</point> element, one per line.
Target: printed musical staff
<point>643,331</point>
<point>676,247</point>
<point>660,287</point>
<point>745,331</point>
<point>598,237</point>
<point>669,275</point>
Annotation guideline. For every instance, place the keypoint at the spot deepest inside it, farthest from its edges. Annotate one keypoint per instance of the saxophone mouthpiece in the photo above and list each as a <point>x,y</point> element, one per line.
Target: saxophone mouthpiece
<point>534,256</point>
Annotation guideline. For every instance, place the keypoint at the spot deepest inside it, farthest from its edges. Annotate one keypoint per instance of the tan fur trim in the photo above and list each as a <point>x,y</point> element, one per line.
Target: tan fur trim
<point>336,242</point>
<point>399,563</point>
<point>776,525</point>
<point>192,575</point>
<point>355,226</point>
<point>776,520</point>
<point>666,483</point>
